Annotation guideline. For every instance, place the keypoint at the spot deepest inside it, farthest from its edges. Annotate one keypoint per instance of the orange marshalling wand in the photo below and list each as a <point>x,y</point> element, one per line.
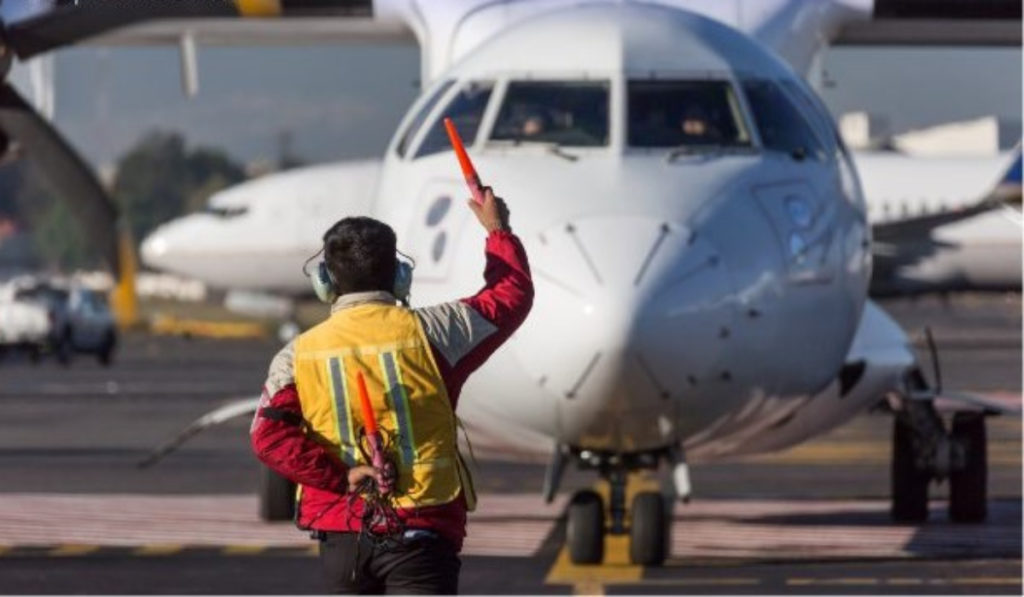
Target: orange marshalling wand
<point>476,188</point>
<point>373,435</point>
<point>364,403</point>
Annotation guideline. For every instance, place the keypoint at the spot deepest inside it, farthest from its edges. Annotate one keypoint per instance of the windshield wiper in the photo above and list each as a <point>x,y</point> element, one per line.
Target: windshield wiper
<point>709,151</point>
<point>556,149</point>
<point>688,150</point>
<point>549,146</point>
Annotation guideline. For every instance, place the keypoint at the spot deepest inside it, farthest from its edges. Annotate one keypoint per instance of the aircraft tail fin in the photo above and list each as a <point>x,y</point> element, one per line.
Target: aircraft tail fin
<point>1008,189</point>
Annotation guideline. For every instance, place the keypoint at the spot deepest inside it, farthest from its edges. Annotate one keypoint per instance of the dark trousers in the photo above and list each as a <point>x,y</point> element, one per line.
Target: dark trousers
<point>421,566</point>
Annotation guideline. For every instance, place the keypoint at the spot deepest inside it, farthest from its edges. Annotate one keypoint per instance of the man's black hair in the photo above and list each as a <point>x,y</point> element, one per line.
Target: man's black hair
<point>360,254</point>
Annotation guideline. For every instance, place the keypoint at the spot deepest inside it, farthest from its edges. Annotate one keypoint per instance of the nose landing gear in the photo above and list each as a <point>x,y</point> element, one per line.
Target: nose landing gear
<point>646,519</point>
<point>648,535</point>
<point>924,450</point>
<point>585,529</point>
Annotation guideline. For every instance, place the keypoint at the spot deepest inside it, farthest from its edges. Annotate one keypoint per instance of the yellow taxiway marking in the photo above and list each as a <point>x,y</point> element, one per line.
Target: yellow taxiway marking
<point>259,8</point>
<point>164,325</point>
<point>799,582</point>
<point>856,581</point>
<point>870,452</point>
<point>904,581</point>
<point>4,549</point>
<point>987,580</point>
<point>694,581</point>
<point>588,588</point>
<point>238,550</point>
<point>615,569</point>
<point>852,581</point>
<point>158,549</point>
<point>635,483</point>
<point>73,549</point>
<point>313,550</point>
<point>871,581</point>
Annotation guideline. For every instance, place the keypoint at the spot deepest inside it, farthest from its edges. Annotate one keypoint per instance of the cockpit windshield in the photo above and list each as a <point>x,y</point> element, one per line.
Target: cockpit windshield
<point>466,110</point>
<point>685,114</point>
<point>557,112</point>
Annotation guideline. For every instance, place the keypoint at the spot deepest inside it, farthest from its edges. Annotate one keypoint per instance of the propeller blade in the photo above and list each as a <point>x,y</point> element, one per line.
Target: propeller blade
<point>65,174</point>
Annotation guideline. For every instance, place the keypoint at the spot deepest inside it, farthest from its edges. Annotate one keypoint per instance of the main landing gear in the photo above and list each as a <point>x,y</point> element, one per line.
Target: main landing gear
<point>923,451</point>
<point>646,520</point>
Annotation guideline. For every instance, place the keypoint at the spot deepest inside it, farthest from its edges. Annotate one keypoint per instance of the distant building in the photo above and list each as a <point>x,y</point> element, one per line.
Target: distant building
<point>979,137</point>
<point>864,131</point>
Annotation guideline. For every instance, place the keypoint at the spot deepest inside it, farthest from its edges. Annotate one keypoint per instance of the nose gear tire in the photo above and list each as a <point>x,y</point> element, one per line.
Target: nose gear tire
<point>585,531</point>
<point>648,534</point>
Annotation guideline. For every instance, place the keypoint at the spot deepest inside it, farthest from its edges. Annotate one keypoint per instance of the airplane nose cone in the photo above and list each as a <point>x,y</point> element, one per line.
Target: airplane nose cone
<point>154,249</point>
<point>175,245</point>
<point>629,314</point>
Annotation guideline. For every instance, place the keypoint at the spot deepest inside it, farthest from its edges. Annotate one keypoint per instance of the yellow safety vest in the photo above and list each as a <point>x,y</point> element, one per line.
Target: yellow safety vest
<point>407,393</point>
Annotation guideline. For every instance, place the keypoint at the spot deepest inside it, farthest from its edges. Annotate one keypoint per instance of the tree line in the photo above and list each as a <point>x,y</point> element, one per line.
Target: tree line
<point>158,179</point>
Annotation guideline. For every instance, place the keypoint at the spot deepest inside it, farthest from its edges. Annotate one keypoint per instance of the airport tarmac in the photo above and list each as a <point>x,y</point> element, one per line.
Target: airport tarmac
<point>77,515</point>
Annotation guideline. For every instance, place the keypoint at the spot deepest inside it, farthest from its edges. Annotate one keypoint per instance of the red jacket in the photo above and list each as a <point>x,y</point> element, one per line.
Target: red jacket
<point>462,335</point>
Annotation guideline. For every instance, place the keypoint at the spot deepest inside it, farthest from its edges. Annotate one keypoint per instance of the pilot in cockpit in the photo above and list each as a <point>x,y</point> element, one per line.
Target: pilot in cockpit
<point>533,126</point>
<point>697,127</point>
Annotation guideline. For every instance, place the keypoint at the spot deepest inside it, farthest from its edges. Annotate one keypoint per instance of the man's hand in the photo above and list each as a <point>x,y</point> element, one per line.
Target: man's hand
<point>357,474</point>
<point>492,213</point>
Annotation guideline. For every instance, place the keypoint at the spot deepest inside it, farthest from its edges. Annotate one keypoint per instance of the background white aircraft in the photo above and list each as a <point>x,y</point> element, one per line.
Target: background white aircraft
<point>701,288</point>
<point>939,224</point>
<point>943,224</point>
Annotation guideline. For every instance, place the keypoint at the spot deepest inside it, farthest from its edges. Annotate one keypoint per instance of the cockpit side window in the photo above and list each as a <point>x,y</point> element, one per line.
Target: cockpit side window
<point>226,212</point>
<point>421,115</point>
<point>778,119</point>
<point>570,113</point>
<point>816,113</point>
<point>466,110</point>
<point>685,113</point>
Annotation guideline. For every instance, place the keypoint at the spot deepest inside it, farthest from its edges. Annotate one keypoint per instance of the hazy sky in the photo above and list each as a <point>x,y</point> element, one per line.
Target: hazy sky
<point>337,102</point>
<point>345,101</point>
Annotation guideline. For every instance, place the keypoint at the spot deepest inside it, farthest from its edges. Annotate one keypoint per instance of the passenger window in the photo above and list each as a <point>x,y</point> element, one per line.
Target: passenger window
<point>557,112</point>
<point>685,113</point>
<point>466,110</point>
<point>778,119</point>
<point>226,212</point>
<point>421,115</point>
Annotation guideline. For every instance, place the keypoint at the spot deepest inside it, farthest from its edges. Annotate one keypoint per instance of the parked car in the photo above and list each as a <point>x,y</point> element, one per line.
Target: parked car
<point>46,317</point>
<point>26,322</point>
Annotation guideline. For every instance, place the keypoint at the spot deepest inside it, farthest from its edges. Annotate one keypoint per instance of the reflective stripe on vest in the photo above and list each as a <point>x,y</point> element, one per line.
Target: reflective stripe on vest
<point>406,438</point>
<point>342,414</point>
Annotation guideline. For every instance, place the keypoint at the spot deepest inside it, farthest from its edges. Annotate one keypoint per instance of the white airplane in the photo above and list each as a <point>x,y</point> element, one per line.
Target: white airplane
<point>698,235</point>
<point>943,224</point>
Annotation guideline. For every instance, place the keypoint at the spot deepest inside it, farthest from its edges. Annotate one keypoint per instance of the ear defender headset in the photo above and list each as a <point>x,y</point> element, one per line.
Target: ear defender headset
<point>325,286</point>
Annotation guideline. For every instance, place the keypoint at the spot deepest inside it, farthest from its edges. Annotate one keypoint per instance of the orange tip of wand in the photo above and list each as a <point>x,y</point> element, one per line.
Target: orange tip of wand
<point>364,403</point>
<point>468,171</point>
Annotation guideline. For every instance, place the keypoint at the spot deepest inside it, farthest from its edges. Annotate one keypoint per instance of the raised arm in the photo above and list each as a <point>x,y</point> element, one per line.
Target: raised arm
<point>466,332</point>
